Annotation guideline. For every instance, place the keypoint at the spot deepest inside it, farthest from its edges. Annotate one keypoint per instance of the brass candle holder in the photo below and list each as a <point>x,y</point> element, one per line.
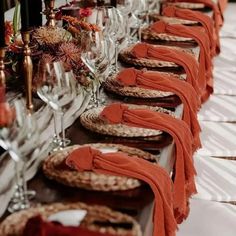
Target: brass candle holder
<point>2,67</point>
<point>27,69</point>
<point>50,14</point>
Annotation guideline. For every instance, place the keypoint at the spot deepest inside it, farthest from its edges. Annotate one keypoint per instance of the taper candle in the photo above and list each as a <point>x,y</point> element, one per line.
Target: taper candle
<point>24,11</point>
<point>2,24</point>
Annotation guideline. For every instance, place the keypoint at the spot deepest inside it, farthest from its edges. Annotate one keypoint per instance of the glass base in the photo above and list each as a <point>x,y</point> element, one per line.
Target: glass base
<point>18,206</point>
<point>59,144</point>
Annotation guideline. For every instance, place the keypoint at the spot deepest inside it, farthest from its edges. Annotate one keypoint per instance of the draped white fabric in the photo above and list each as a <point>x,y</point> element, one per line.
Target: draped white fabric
<point>208,218</point>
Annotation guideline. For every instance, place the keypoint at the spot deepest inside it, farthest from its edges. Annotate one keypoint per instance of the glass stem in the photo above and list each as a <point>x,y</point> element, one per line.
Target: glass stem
<point>24,183</point>
<point>56,130</point>
<point>19,188</point>
<point>62,128</point>
<point>116,57</point>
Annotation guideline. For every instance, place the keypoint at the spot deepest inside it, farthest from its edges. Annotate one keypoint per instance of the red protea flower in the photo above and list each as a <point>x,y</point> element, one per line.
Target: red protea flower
<point>85,12</point>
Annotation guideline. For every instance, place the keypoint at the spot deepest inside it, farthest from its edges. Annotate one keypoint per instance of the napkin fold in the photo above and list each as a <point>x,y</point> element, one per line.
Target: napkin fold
<point>205,60</point>
<point>217,14</point>
<point>200,17</point>
<point>184,185</point>
<point>88,159</point>
<point>188,62</point>
<point>156,81</point>
<point>36,226</point>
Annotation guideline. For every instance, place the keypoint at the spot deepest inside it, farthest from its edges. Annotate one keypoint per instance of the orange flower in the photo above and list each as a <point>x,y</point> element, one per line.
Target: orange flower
<point>7,115</point>
<point>8,32</point>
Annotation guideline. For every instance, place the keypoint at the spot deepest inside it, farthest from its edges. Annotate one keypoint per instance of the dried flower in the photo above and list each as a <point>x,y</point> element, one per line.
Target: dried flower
<point>77,25</point>
<point>7,115</point>
<point>85,12</point>
<point>8,32</point>
<point>69,53</point>
<point>50,35</point>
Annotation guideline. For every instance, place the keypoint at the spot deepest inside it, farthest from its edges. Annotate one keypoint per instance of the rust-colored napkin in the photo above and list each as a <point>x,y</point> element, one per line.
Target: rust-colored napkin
<point>36,226</point>
<point>188,62</point>
<point>217,14</point>
<point>200,17</point>
<point>88,159</point>
<point>184,184</point>
<point>167,83</point>
<point>205,60</point>
<point>222,5</point>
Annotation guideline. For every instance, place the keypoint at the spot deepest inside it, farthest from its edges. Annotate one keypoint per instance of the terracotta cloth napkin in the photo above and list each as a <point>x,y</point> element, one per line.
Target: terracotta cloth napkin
<point>205,60</point>
<point>157,81</point>
<point>200,17</point>
<point>86,158</point>
<point>188,62</point>
<point>36,226</point>
<point>184,185</point>
<point>217,14</point>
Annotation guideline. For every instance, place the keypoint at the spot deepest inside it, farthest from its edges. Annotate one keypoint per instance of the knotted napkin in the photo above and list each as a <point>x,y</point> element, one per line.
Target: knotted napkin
<point>200,17</point>
<point>88,159</point>
<point>36,226</point>
<point>205,60</point>
<point>184,185</point>
<point>217,14</point>
<point>188,62</point>
<point>167,83</point>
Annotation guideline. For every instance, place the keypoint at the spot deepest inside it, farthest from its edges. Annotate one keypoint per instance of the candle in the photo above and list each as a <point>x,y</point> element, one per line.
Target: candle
<point>35,16</point>
<point>2,23</point>
<point>24,11</point>
<point>114,3</point>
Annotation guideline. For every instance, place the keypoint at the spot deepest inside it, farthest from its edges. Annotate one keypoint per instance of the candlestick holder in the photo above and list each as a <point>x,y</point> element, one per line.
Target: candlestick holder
<point>2,67</point>
<point>50,14</point>
<point>27,69</point>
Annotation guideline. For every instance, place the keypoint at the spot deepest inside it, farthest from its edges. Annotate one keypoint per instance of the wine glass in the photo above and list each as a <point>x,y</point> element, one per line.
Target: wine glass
<point>57,88</point>
<point>93,55</point>
<point>20,139</point>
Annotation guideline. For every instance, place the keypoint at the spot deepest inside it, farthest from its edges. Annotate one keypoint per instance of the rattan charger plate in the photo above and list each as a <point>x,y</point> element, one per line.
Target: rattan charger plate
<point>92,121</point>
<point>148,34</point>
<point>88,179</point>
<point>14,224</point>
<point>112,85</point>
<point>125,56</point>
<point>171,20</point>
<point>186,5</point>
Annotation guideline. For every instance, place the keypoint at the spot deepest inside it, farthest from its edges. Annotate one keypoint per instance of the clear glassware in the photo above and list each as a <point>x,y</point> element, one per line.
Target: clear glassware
<point>20,139</point>
<point>93,55</point>
<point>57,88</point>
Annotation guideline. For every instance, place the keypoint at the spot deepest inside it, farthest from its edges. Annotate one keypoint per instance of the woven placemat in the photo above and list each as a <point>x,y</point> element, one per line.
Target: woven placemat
<point>186,5</point>
<point>53,169</point>
<point>14,224</point>
<point>91,120</point>
<point>171,20</point>
<point>125,56</point>
<point>112,85</point>
<point>148,34</point>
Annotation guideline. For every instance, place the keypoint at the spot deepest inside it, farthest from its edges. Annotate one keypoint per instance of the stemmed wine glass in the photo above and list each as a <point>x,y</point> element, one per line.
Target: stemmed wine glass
<point>20,140</point>
<point>93,55</point>
<point>57,88</point>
